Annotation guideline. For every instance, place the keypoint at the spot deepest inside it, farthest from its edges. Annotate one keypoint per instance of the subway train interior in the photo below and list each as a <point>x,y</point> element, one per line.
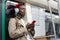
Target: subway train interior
<point>46,13</point>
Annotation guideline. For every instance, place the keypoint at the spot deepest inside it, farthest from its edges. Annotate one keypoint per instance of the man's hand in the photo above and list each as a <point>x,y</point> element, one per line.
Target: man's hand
<point>30,26</point>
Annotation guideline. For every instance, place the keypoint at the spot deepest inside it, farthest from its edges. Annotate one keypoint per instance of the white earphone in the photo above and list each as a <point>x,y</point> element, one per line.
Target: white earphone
<point>16,10</point>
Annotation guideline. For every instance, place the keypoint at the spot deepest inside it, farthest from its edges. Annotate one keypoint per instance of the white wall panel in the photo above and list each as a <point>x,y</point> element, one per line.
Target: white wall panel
<point>39,16</point>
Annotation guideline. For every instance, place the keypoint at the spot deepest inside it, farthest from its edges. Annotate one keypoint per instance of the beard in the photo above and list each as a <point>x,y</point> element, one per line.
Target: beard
<point>22,14</point>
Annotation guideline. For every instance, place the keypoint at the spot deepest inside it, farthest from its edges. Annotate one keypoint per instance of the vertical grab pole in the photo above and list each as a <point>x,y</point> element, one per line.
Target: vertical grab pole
<point>59,8</point>
<point>52,18</point>
<point>3,19</point>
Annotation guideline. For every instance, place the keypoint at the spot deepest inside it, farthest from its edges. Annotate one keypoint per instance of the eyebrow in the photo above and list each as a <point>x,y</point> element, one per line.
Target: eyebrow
<point>22,8</point>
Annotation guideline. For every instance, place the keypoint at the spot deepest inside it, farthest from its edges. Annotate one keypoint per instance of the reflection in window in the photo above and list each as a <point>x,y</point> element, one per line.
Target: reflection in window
<point>57,27</point>
<point>49,27</point>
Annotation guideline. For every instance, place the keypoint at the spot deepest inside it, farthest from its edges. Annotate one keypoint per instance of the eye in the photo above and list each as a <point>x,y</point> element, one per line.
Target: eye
<point>22,8</point>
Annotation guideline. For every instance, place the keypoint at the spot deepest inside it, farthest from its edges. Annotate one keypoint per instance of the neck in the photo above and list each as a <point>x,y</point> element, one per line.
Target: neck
<point>18,17</point>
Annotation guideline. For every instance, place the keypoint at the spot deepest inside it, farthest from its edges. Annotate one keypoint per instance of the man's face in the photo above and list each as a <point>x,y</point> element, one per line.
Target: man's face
<point>22,9</point>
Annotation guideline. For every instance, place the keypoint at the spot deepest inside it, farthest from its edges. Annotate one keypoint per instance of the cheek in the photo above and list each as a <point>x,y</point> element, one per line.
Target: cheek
<point>22,11</point>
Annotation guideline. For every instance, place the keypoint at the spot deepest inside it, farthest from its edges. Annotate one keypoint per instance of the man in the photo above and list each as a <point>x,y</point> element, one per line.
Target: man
<point>17,27</point>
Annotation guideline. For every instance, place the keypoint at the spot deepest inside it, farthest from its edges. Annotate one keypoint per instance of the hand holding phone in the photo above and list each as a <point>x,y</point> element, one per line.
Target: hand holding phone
<point>33,22</point>
<point>31,25</point>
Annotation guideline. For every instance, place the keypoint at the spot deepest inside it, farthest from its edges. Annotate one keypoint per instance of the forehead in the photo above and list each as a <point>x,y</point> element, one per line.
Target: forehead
<point>22,6</point>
